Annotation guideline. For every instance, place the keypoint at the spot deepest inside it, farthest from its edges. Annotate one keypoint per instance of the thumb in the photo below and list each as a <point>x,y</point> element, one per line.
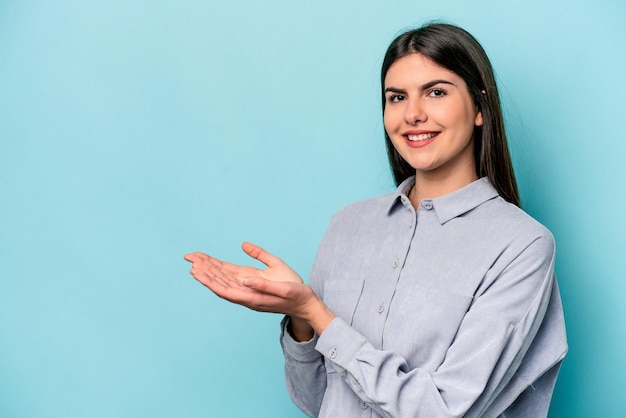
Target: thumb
<point>260,254</point>
<point>268,287</point>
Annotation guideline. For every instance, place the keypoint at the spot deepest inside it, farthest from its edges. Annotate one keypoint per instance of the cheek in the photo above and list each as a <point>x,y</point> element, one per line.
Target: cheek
<point>387,122</point>
<point>390,120</point>
<point>449,114</point>
<point>459,119</point>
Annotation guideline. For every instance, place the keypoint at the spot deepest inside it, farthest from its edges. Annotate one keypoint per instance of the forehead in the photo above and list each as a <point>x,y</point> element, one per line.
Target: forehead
<point>417,69</point>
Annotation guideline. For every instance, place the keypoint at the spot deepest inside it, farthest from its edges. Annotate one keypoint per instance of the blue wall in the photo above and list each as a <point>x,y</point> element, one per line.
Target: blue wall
<point>134,131</point>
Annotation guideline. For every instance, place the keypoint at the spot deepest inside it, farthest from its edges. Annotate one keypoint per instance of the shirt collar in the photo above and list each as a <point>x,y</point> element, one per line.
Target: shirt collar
<point>452,204</point>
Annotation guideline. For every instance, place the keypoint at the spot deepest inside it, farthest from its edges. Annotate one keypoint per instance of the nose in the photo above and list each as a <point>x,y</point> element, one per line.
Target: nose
<point>414,111</point>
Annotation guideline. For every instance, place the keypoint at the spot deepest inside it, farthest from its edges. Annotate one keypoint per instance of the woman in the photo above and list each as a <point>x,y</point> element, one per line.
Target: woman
<point>438,300</point>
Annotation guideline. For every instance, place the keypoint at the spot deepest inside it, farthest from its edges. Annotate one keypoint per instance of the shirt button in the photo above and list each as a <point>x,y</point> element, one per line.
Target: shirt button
<point>427,204</point>
<point>332,353</point>
<point>395,263</point>
<point>363,405</point>
<point>381,308</point>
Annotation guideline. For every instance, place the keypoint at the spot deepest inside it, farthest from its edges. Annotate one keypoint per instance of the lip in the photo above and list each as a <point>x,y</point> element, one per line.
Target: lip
<point>420,144</point>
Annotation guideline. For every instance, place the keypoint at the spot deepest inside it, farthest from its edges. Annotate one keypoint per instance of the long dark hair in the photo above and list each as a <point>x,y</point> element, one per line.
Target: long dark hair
<point>458,51</point>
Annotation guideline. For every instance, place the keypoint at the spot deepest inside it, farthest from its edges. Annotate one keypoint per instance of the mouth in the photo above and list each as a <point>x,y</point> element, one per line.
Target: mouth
<point>421,137</point>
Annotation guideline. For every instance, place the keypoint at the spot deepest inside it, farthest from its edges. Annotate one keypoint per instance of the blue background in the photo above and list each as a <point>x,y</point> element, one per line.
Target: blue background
<point>134,131</point>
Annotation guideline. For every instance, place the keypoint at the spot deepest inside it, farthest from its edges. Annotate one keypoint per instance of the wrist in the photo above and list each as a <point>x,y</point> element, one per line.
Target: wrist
<point>313,319</point>
<point>299,329</point>
<point>319,315</point>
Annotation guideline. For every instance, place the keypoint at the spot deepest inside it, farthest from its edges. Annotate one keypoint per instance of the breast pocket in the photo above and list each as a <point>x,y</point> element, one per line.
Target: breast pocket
<point>342,297</point>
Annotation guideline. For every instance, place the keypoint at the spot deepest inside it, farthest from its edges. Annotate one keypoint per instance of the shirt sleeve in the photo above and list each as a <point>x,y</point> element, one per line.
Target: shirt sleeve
<point>489,347</point>
<point>305,371</point>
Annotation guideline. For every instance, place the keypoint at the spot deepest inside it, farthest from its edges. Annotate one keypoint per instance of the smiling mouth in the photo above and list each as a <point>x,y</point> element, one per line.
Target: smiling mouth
<point>422,137</point>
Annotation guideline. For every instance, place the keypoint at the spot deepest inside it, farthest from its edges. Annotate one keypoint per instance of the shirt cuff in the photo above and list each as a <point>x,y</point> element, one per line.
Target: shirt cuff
<point>340,343</point>
<point>300,351</point>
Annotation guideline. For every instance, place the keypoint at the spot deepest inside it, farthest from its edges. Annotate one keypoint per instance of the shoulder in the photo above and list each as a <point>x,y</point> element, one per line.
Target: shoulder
<point>514,235</point>
<point>364,211</point>
<point>517,221</point>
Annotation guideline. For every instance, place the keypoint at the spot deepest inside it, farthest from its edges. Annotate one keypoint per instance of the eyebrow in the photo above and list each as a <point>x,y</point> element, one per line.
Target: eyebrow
<point>424,86</point>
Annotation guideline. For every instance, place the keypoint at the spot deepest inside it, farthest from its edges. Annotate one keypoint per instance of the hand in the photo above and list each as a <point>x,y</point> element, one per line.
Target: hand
<point>276,289</point>
<point>276,271</point>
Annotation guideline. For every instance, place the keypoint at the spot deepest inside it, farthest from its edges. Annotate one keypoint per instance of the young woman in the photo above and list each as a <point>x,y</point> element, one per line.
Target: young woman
<point>437,300</point>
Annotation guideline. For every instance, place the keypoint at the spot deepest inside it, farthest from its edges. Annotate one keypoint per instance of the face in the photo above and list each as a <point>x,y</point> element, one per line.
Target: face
<point>430,117</point>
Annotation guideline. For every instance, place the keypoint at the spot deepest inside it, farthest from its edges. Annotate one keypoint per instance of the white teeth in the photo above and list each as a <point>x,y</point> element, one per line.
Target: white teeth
<point>422,137</point>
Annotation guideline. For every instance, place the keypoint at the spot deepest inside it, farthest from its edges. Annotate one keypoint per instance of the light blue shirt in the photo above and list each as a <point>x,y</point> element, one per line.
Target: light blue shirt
<point>452,310</point>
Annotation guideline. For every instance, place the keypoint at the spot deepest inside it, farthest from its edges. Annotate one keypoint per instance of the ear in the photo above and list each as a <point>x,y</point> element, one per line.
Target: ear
<point>478,121</point>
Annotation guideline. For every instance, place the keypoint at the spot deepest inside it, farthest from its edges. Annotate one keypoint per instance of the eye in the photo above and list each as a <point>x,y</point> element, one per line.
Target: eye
<point>395,98</point>
<point>437,93</point>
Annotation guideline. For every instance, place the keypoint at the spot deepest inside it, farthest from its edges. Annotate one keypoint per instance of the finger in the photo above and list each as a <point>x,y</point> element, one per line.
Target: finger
<point>238,294</point>
<point>260,254</point>
<point>263,298</point>
<point>198,257</point>
<point>206,278</point>
<point>201,259</point>
<point>233,269</point>
<point>221,287</point>
<point>210,272</point>
<point>193,257</point>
